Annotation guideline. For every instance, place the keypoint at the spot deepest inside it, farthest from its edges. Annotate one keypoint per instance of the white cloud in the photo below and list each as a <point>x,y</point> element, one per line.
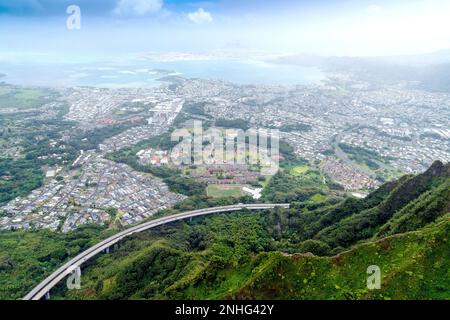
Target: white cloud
<point>137,7</point>
<point>200,16</point>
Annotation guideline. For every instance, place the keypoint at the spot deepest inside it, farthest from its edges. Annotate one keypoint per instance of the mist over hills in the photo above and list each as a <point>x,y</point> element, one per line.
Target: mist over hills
<point>426,59</point>
<point>428,71</point>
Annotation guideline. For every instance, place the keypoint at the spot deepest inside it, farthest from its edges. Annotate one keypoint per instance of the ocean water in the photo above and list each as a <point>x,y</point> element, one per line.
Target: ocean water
<point>147,73</point>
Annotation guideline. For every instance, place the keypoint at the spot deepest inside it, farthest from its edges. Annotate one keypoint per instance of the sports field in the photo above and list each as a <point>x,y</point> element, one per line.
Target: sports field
<point>224,190</point>
<point>299,170</point>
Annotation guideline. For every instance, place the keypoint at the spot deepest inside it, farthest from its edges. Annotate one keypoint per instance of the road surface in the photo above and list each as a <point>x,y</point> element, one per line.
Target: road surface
<point>45,286</point>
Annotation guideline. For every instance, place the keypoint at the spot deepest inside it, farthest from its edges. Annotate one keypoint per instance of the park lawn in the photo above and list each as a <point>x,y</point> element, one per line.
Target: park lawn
<point>223,191</point>
<point>299,170</point>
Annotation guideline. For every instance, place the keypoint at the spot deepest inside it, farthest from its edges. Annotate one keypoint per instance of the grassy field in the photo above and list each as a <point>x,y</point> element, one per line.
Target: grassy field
<point>221,191</point>
<point>21,98</point>
<point>318,198</point>
<point>266,181</point>
<point>299,170</point>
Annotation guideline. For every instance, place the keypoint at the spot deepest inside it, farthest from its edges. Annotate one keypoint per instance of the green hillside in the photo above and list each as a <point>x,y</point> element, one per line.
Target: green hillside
<point>428,190</point>
<point>314,250</point>
<point>321,253</point>
<point>414,265</point>
<point>26,258</point>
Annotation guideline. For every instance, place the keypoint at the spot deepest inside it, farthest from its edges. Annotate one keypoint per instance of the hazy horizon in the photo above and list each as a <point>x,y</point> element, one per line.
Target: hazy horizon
<point>35,30</point>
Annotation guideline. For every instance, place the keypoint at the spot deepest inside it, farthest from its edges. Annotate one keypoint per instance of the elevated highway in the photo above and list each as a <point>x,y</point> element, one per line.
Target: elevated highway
<point>43,288</point>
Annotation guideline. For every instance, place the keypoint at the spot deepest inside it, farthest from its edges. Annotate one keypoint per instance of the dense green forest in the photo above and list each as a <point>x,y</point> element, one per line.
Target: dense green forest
<point>235,124</point>
<point>363,156</point>
<point>295,127</point>
<point>19,178</point>
<point>28,257</point>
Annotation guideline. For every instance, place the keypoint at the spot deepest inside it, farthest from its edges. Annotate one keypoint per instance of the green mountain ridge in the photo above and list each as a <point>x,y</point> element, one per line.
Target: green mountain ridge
<point>403,227</point>
<point>365,223</point>
<point>414,265</point>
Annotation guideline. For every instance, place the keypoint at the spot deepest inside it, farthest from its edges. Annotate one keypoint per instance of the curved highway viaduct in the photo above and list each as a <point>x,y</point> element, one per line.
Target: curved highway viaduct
<point>45,286</point>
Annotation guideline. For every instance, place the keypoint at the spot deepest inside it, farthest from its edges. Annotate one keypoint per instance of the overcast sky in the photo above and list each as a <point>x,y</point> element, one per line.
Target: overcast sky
<point>37,28</point>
